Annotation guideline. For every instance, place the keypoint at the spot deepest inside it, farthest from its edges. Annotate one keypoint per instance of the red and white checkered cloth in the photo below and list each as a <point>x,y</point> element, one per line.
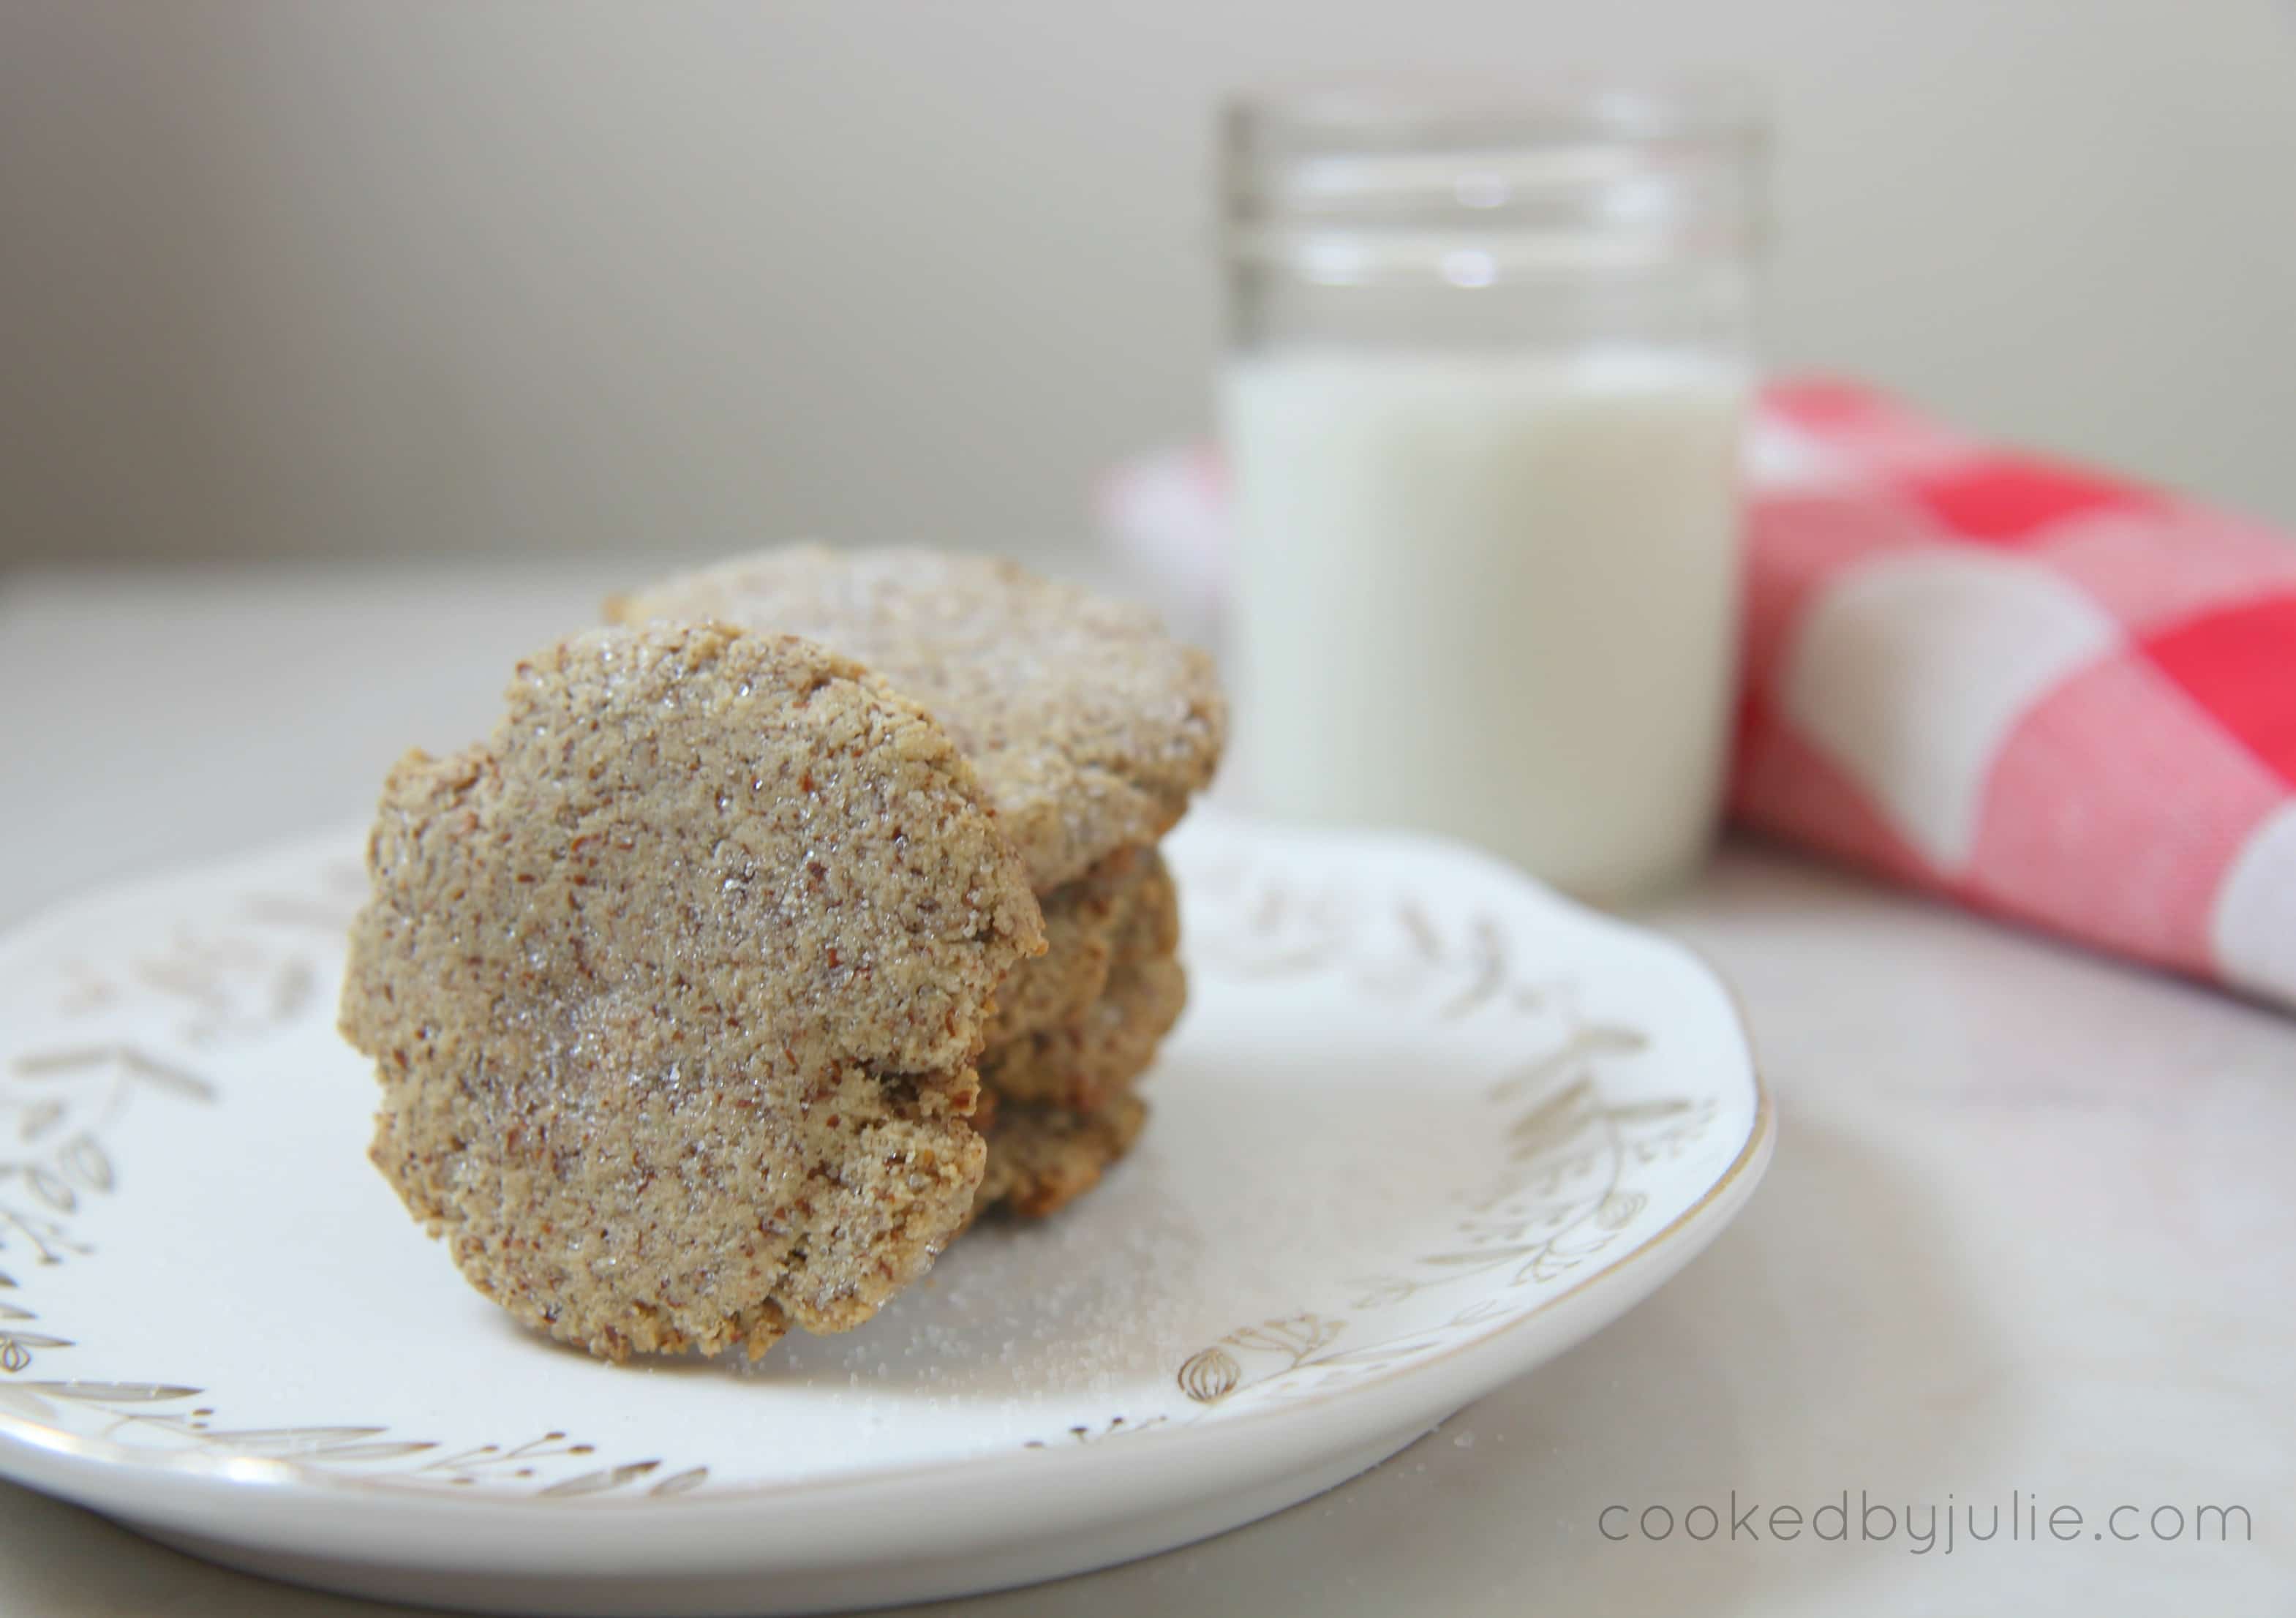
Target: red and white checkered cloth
<point>2045,693</point>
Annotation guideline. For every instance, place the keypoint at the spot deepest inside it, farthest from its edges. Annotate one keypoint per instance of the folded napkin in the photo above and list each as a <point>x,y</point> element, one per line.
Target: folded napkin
<point>2042,692</point>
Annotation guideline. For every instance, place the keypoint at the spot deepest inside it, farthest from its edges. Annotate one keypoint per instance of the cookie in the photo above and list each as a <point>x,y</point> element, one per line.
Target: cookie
<point>673,985</point>
<point>1090,725</point>
<point>1084,920</point>
<point>1059,1107</point>
<point>1082,1063</point>
<point>1114,1039</point>
<point>1042,1157</point>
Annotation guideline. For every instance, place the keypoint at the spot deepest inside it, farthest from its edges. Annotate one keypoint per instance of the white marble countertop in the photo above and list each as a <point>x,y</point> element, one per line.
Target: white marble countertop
<point>2031,1226</point>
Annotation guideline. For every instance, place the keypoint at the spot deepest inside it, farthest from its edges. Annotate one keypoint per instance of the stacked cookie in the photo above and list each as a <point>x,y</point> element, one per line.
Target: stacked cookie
<point>776,932</point>
<point>674,985</point>
<point>1090,729</point>
<point>1076,1027</point>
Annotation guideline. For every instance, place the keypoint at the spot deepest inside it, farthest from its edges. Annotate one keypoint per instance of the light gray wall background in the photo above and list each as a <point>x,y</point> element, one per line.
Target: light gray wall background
<point>295,276</point>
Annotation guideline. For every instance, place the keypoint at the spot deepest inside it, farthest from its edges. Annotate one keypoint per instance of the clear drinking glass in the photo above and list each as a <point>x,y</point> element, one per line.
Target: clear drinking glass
<point>1488,357</point>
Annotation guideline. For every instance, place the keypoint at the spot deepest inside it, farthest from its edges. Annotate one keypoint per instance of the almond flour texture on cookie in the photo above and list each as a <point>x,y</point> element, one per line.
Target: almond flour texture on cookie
<point>674,986</point>
<point>1043,1156</point>
<point>1090,725</point>
<point>1107,1044</point>
<point>1083,921</point>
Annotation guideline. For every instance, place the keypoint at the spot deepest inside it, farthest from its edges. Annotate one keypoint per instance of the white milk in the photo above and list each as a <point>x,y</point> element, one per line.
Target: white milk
<point>1493,596</point>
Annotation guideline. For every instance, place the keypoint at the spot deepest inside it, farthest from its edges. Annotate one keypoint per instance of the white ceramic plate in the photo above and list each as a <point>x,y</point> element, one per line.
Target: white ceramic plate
<point>1423,1127</point>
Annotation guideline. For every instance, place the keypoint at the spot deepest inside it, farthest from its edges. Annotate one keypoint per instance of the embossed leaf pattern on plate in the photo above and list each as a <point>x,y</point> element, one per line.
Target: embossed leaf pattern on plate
<point>1575,1145</point>
<point>217,989</point>
<point>1568,1194</point>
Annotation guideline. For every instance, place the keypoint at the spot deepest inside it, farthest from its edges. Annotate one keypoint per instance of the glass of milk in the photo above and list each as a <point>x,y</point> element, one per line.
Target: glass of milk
<point>1488,363</point>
